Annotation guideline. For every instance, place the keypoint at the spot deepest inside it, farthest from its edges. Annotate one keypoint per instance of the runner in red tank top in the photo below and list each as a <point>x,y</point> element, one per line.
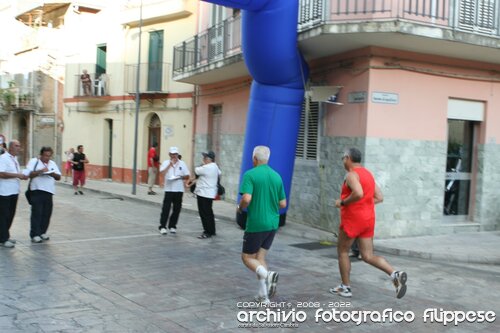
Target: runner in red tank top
<point>358,218</point>
<point>357,202</point>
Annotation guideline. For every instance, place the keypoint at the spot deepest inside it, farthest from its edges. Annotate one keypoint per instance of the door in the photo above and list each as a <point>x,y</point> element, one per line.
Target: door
<point>214,130</point>
<point>216,33</point>
<point>457,189</point>
<point>100,67</point>
<point>109,147</point>
<point>155,61</point>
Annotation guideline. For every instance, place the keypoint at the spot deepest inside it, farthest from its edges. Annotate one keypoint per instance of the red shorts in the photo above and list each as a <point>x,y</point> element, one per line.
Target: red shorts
<point>353,229</point>
<point>78,177</point>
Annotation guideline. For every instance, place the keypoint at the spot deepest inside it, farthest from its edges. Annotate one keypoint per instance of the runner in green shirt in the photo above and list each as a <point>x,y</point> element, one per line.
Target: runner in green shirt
<point>263,195</point>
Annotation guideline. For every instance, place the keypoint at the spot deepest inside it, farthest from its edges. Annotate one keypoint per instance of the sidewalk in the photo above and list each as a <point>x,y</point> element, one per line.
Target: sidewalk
<point>479,247</point>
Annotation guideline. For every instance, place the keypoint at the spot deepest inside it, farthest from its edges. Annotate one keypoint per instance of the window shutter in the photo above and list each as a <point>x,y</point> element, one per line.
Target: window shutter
<point>307,142</point>
<point>467,13</point>
<point>477,15</point>
<point>486,16</point>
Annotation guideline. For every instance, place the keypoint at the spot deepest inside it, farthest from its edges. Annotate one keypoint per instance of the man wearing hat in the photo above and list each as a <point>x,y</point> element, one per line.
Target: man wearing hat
<point>175,173</point>
<point>206,190</point>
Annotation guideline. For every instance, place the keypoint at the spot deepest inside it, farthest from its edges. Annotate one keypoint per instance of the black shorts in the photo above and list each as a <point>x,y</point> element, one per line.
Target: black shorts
<point>253,241</point>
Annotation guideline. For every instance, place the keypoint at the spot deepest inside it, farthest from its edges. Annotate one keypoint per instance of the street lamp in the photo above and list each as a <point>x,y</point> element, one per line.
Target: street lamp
<point>137,105</point>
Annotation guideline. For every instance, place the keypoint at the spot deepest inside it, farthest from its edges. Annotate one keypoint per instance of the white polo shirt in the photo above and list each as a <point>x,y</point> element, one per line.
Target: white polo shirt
<point>206,184</point>
<point>174,175</point>
<point>42,182</point>
<point>11,186</point>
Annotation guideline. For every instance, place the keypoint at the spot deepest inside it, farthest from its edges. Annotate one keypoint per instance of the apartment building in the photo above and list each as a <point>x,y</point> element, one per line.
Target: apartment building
<point>126,50</point>
<point>31,75</point>
<point>415,85</point>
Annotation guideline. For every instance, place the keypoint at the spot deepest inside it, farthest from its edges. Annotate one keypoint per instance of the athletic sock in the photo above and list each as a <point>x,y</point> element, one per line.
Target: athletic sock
<point>393,275</point>
<point>261,272</point>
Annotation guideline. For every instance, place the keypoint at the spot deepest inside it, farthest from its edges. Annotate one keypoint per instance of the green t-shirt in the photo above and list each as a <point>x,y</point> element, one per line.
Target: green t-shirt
<point>266,188</point>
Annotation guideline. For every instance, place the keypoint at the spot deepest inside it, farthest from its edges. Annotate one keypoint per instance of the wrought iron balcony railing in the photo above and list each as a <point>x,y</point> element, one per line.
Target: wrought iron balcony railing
<point>224,40</point>
<point>154,77</point>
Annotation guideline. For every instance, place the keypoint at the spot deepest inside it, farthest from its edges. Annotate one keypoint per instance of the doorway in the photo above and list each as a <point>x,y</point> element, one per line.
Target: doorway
<point>108,147</point>
<point>459,157</point>
<point>100,64</point>
<point>216,33</point>
<point>24,156</point>
<point>154,136</point>
<point>214,128</point>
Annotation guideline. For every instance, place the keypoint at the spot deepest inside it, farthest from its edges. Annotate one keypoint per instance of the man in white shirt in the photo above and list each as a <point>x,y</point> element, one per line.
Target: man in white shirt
<point>176,173</point>
<point>10,174</point>
<point>206,190</point>
<point>43,173</point>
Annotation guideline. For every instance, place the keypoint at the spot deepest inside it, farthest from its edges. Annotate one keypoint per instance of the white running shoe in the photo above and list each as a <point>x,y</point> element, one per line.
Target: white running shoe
<point>163,231</point>
<point>8,244</point>
<point>36,239</point>
<point>341,290</point>
<point>271,283</point>
<point>400,283</point>
<point>173,230</point>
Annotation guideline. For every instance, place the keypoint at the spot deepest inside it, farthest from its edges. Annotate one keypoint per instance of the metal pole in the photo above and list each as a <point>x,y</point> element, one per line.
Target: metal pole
<point>137,106</point>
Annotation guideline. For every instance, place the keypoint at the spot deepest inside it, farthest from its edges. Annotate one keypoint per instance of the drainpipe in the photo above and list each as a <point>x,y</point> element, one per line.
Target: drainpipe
<point>56,96</point>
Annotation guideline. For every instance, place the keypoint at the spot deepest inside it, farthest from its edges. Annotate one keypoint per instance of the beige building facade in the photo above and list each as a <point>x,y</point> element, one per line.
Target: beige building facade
<point>114,46</point>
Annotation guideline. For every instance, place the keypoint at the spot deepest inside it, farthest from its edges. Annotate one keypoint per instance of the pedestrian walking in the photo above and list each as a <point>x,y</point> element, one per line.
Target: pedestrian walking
<point>206,190</point>
<point>176,174</point>
<point>153,163</point>
<point>68,166</point>
<point>263,195</point>
<point>43,173</point>
<point>10,176</point>
<point>358,198</point>
<point>79,161</point>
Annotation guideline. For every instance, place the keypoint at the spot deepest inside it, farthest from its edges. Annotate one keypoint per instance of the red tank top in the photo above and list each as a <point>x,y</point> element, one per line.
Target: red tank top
<point>362,210</point>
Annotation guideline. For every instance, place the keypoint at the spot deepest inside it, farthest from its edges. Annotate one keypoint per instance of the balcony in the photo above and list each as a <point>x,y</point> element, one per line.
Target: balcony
<point>154,11</point>
<point>154,78</point>
<point>218,47</point>
<point>468,29</point>
<point>17,94</point>
<point>96,90</point>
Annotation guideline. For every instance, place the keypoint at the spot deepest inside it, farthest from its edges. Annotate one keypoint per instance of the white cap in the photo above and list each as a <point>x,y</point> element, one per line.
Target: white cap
<point>173,150</point>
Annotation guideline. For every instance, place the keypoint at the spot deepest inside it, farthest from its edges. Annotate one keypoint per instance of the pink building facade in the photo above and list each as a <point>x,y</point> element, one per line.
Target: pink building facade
<point>416,87</point>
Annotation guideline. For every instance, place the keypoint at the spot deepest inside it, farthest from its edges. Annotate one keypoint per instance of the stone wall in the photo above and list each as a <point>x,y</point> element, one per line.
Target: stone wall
<point>229,160</point>
<point>410,174</point>
<point>487,190</point>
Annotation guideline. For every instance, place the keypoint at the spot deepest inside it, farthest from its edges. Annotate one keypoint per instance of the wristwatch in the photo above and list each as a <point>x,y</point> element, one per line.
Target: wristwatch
<point>342,203</point>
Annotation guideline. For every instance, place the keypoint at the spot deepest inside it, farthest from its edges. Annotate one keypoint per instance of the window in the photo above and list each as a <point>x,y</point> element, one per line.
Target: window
<point>477,15</point>
<point>307,142</point>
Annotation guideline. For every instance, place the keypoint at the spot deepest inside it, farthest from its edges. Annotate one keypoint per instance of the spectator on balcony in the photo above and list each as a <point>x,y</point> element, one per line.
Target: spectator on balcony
<point>86,83</point>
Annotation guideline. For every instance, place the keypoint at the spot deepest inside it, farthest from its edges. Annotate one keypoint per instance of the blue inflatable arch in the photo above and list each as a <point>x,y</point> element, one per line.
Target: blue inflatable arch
<point>279,72</point>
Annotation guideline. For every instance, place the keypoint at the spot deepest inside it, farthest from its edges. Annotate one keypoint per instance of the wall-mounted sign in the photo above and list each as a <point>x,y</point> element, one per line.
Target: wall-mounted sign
<point>168,131</point>
<point>357,97</point>
<point>47,120</point>
<point>385,98</point>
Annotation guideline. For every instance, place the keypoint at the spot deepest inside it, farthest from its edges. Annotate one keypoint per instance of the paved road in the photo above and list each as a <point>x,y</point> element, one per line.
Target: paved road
<point>107,269</point>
